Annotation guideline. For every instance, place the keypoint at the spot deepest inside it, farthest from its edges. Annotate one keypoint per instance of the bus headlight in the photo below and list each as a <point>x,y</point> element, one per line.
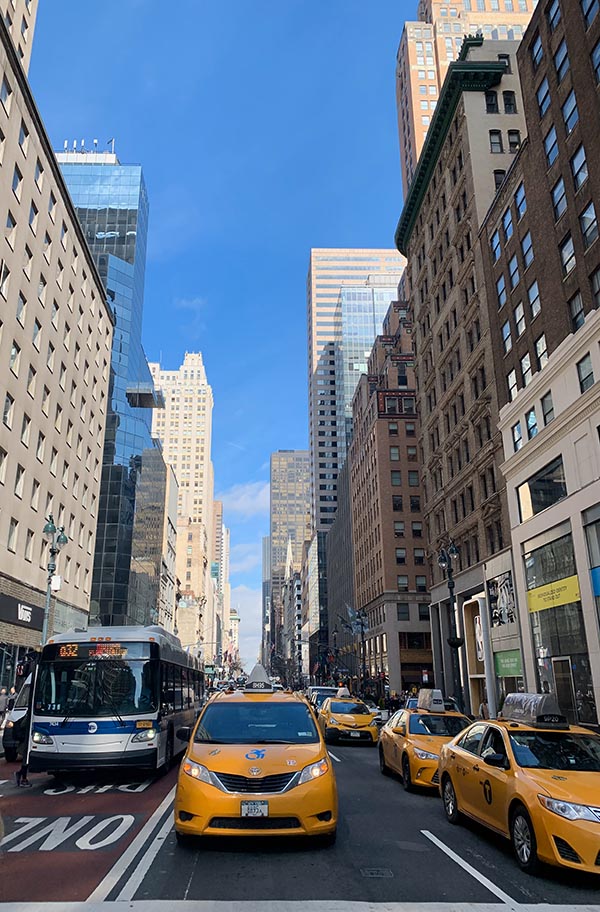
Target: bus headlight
<point>148,734</point>
<point>41,738</point>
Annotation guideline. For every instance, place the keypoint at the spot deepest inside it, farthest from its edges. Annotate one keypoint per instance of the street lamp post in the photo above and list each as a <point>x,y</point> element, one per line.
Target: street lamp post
<point>56,539</point>
<point>445,558</point>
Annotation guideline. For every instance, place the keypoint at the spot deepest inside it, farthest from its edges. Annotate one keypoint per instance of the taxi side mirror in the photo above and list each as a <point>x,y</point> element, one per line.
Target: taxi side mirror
<point>399,730</point>
<point>498,760</point>
<point>185,733</point>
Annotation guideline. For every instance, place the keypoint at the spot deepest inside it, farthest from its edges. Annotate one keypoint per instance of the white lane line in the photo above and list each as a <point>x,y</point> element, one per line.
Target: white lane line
<point>131,886</point>
<point>127,858</point>
<point>502,896</point>
<point>333,757</point>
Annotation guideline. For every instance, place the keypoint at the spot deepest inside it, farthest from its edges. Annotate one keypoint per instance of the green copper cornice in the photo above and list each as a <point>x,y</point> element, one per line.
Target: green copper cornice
<point>463,76</point>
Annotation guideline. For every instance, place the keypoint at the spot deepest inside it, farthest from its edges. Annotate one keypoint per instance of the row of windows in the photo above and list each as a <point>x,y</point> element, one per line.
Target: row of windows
<point>396,479</point>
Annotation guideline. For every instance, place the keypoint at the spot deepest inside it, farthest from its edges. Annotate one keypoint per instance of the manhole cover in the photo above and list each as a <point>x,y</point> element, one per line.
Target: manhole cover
<point>376,872</point>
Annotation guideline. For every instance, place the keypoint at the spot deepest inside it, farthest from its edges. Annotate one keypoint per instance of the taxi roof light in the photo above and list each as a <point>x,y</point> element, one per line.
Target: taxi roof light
<point>430,700</point>
<point>258,681</point>
<point>535,710</point>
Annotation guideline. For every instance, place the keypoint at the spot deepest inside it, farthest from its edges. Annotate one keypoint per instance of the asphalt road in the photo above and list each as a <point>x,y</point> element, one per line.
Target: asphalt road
<point>113,840</point>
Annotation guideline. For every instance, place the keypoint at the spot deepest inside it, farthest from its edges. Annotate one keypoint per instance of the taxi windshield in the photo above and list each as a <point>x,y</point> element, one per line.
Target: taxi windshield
<point>343,709</point>
<point>429,724</point>
<point>559,750</point>
<point>256,723</point>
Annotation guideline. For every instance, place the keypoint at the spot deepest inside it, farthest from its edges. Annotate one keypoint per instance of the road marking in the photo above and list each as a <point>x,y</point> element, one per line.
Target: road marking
<point>502,896</point>
<point>127,858</point>
<point>333,757</point>
<point>131,886</point>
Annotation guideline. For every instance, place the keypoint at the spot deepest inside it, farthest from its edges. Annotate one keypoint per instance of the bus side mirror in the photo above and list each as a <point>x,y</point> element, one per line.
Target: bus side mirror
<point>185,733</point>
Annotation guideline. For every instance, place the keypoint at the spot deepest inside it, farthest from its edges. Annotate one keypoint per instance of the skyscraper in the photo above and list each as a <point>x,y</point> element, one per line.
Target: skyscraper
<point>112,206</point>
<point>426,49</point>
<point>19,18</point>
<point>329,271</point>
<point>184,428</point>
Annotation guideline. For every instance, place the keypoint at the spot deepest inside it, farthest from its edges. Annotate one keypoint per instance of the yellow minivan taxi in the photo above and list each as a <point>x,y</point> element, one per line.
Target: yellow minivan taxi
<point>256,764</point>
<point>346,719</point>
<point>531,777</point>
<point>410,742</point>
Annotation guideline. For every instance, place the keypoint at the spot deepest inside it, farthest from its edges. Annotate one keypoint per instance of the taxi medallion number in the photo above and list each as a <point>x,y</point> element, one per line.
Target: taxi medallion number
<point>255,808</point>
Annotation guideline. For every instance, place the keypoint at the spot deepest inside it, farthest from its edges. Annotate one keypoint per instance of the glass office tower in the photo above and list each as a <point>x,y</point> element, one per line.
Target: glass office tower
<point>112,205</point>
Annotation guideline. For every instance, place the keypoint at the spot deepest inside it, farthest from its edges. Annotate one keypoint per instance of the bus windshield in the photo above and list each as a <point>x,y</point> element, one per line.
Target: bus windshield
<point>97,687</point>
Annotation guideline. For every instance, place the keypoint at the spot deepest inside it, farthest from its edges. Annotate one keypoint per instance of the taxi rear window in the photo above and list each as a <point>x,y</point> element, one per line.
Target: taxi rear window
<point>256,723</point>
<point>358,709</point>
<point>429,724</point>
<point>556,750</point>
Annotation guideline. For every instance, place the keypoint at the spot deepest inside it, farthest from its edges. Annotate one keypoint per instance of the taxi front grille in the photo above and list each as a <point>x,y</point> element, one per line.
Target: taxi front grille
<point>566,851</point>
<point>247,786</point>
<point>254,823</point>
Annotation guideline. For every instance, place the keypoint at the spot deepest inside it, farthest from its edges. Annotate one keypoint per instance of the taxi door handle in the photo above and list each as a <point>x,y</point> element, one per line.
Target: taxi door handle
<point>476,768</point>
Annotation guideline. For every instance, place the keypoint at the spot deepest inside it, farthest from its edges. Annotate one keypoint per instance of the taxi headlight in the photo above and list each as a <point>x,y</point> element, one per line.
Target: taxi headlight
<point>41,738</point>
<point>568,810</point>
<point>147,735</point>
<point>333,721</point>
<point>196,771</point>
<point>425,755</point>
<point>313,771</point>
<point>9,724</point>
<point>373,723</point>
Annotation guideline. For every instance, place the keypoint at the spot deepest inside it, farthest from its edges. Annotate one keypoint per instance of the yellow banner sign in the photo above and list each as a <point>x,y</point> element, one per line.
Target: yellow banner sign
<point>561,592</point>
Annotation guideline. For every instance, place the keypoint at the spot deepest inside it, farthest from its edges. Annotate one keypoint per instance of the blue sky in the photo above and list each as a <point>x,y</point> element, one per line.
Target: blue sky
<point>265,128</point>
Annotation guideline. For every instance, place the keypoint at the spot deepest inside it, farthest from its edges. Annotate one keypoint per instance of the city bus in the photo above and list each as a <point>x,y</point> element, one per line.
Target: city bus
<point>112,697</point>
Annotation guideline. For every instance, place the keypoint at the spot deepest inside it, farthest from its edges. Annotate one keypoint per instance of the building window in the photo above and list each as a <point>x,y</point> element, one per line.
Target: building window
<point>589,225</point>
<point>25,429</point>
<point>542,490</point>
<point>570,112</point>
<point>547,408</point>
<point>526,372</point>
<point>541,351</point>
<point>495,246</point>
<point>491,102</point>
<point>394,454</point>
<point>400,555</point>
<point>393,428</point>
<point>402,609</point>
<point>499,179</point>
<point>421,583</point>
<point>506,337</point>
<point>413,479</point>
<point>514,140</point>
<point>517,436</point>
<point>576,310</point>
<point>7,414</point>
<point>510,102</point>
<point>17,182</point>
<point>501,291</point>
<point>559,199</point>
<point>596,61</point>
<point>595,285</point>
<point>531,423</point>
<point>13,531</point>
<point>536,51</point>
<point>396,479</point>
<point>402,582</point>
<point>579,168</point>
<point>520,201</point>
<point>553,14</point>
<point>551,146</point>
<point>561,61</point>
<point>423,612</point>
<point>399,529</point>
<point>4,279</point>
<point>496,141</point>
<point>567,255</point>
<point>589,8</point>
<point>543,96</point>
<point>527,250</point>
<point>513,271</point>
<point>533,293</point>
<point>5,93</point>
<point>397,503</point>
<point>15,358</point>
<point>519,314</point>
<point>585,373</point>
<point>512,385</point>
<point>507,225</point>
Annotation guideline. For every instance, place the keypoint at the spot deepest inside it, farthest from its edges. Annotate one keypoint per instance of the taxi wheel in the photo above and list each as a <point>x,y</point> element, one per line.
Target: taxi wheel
<point>450,802</point>
<point>383,767</point>
<point>524,843</point>
<point>406,780</point>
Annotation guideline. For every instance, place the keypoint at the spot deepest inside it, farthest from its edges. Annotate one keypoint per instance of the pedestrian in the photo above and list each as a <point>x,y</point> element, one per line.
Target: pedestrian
<point>12,696</point>
<point>22,738</point>
<point>484,712</point>
<point>3,704</point>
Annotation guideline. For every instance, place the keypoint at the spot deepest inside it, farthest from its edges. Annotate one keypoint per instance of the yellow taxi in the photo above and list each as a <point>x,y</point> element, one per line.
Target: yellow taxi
<point>532,777</point>
<point>256,764</point>
<point>345,719</point>
<point>411,740</point>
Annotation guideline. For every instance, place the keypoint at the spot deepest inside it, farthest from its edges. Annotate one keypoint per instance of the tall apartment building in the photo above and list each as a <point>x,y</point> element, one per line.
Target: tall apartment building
<point>428,46</point>
<point>19,20</point>
<point>55,335</point>
<point>474,136</point>
<point>112,206</point>
<point>391,577</point>
<point>329,271</point>
<point>184,427</point>
<point>541,259</point>
<point>289,527</point>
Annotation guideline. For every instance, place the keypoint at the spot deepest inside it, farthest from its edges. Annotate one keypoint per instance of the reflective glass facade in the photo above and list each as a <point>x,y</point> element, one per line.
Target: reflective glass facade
<point>112,206</point>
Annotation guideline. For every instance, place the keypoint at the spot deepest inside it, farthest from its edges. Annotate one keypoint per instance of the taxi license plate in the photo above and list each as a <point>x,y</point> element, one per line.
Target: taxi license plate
<point>255,808</point>
<point>355,734</point>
